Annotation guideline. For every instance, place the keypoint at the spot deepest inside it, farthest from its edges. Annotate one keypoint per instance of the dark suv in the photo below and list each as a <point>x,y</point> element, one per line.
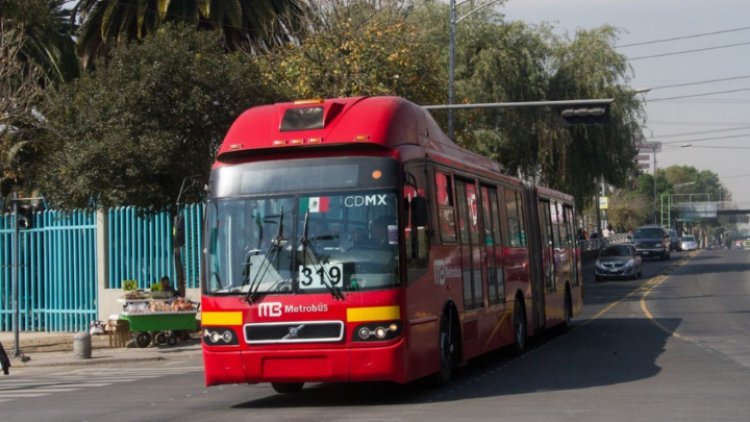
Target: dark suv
<point>651,241</point>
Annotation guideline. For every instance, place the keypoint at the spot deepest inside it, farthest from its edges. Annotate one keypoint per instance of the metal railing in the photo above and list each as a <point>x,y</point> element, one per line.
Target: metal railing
<point>58,262</point>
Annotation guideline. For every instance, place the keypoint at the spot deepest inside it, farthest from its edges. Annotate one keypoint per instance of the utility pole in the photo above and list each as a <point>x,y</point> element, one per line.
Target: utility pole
<point>655,204</point>
<point>16,286</point>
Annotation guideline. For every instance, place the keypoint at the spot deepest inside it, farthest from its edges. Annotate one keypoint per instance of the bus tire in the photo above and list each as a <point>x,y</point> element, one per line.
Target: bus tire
<point>448,343</point>
<point>519,327</point>
<point>287,387</point>
<point>568,312</point>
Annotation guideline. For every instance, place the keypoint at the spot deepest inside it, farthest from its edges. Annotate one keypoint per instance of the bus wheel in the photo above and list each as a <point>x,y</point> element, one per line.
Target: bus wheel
<point>519,327</point>
<point>448,349</point>
<point>568,310</point>
<point>287,387</point>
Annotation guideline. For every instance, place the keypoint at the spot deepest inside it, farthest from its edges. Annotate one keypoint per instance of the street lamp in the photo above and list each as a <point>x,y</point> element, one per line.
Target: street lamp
<point>452,53</point>
<point>19,221</point>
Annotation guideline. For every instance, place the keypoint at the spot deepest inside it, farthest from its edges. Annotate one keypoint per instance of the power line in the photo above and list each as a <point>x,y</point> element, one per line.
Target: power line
<point>689,141</point>
<point>694,123</point>
<point>674,135</point>
<point>698,95</point>
<point>718,147</point>
<point>708,81</point>
<point>710,101</point>
<point>683,37</point>
<point>674,53</point>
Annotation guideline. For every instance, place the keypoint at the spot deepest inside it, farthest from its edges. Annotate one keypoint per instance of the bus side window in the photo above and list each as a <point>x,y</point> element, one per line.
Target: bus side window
<point>446,217</point>
<point>415,220</point>
<point>516,222</point>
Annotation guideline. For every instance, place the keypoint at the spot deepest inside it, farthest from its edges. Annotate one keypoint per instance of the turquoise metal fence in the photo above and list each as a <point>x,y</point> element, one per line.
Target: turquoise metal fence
<point>191,253</point>
<point>140,246</point>
<point>56,272</point>
<point>58,262</point>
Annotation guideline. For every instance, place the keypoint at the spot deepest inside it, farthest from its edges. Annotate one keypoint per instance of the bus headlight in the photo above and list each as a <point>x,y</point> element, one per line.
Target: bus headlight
<point>219,336</point>
<point>377,331</point>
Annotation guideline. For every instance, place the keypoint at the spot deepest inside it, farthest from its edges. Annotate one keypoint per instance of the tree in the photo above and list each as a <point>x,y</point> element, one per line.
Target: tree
<point>507,65</point>
<point>48,28</point>
<point>689,180</point>
<point>501,61</point>
<point>628,210</point>
<point>361,48</point>
<point>36,51</point>
<point>243,24</point>
<point>20,94</point>
<point>589,67</point>
<point>131,131</point>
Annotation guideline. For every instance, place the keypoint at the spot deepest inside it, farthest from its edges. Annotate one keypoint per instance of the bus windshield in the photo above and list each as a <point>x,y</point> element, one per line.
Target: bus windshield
<point>347,241</point>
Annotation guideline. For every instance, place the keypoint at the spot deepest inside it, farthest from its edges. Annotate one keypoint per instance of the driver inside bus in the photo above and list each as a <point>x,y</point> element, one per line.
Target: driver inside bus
<point>379,232</point>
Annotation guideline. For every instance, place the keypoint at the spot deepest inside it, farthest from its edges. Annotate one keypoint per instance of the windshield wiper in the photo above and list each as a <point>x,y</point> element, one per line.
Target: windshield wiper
<point>305,241</point>
<point>271,252</point>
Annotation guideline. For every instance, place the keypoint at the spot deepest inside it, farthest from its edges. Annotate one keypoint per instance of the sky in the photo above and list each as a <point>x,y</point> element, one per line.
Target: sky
<point>708,132</point>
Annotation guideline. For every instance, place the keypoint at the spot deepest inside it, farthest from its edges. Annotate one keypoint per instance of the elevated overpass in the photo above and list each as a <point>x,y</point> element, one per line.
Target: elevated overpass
<point>698,210</point>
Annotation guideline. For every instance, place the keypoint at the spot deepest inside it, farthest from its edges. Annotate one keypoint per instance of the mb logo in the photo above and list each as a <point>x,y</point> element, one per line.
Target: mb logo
<point>270,309</point>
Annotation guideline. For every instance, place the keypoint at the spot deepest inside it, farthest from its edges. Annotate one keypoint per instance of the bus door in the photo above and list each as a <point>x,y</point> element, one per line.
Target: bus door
<point>571,243</point>
<point>548,253</point>
<point>493,246</point>
<point>472,254</point>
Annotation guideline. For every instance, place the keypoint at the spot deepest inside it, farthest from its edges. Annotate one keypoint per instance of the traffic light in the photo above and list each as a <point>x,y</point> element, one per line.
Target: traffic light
<point>585,115</point>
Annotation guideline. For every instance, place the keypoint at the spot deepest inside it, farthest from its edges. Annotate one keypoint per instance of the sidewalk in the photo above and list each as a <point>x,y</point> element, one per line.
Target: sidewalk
<point>40,349</point>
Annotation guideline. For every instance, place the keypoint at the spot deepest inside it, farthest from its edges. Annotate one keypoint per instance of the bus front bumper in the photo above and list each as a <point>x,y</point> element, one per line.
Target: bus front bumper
<point>305,365</point>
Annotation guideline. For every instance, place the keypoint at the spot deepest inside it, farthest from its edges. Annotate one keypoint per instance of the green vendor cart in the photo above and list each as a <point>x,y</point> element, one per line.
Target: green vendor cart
<point>159,327</point>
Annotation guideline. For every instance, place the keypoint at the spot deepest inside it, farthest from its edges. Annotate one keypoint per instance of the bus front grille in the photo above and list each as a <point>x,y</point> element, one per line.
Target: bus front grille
<point>294,332</point>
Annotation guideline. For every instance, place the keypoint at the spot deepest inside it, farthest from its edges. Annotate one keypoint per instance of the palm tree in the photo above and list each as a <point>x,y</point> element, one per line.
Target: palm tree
<point>21,92</point>
<point>249,25</point>
<point>48,27</point>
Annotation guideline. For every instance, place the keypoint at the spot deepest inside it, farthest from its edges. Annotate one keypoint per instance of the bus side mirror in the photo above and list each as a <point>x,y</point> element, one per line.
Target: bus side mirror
<point>419,212</point>
<point>179,231</point>
<point>418,222</point>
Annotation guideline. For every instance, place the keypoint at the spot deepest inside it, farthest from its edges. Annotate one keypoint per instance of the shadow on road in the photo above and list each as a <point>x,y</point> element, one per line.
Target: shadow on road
<point>598,353</point>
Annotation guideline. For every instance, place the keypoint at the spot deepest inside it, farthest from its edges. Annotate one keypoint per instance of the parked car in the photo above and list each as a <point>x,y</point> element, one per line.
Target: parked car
<point>618,261</point>
<point>674,240</point>
<point>652,240</point>
<point>689,243</point>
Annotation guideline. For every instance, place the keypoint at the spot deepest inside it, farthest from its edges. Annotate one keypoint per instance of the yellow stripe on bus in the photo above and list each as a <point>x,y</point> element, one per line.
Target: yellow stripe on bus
<point>221,318</point>
<point>374,313</point>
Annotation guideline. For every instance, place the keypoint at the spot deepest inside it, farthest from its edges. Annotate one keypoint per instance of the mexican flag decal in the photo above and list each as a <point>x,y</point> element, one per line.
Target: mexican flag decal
<point>314,204</point>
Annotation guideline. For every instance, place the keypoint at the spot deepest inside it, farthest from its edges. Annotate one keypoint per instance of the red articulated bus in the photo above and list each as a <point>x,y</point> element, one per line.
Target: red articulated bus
<point>350,240</point>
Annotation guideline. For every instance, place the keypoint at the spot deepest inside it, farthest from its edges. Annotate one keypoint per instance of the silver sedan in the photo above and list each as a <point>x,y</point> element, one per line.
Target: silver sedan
<point>618,261</point>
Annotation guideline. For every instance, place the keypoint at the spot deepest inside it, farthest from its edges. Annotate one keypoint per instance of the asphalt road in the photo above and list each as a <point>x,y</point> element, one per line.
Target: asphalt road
<point>674,345</point>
